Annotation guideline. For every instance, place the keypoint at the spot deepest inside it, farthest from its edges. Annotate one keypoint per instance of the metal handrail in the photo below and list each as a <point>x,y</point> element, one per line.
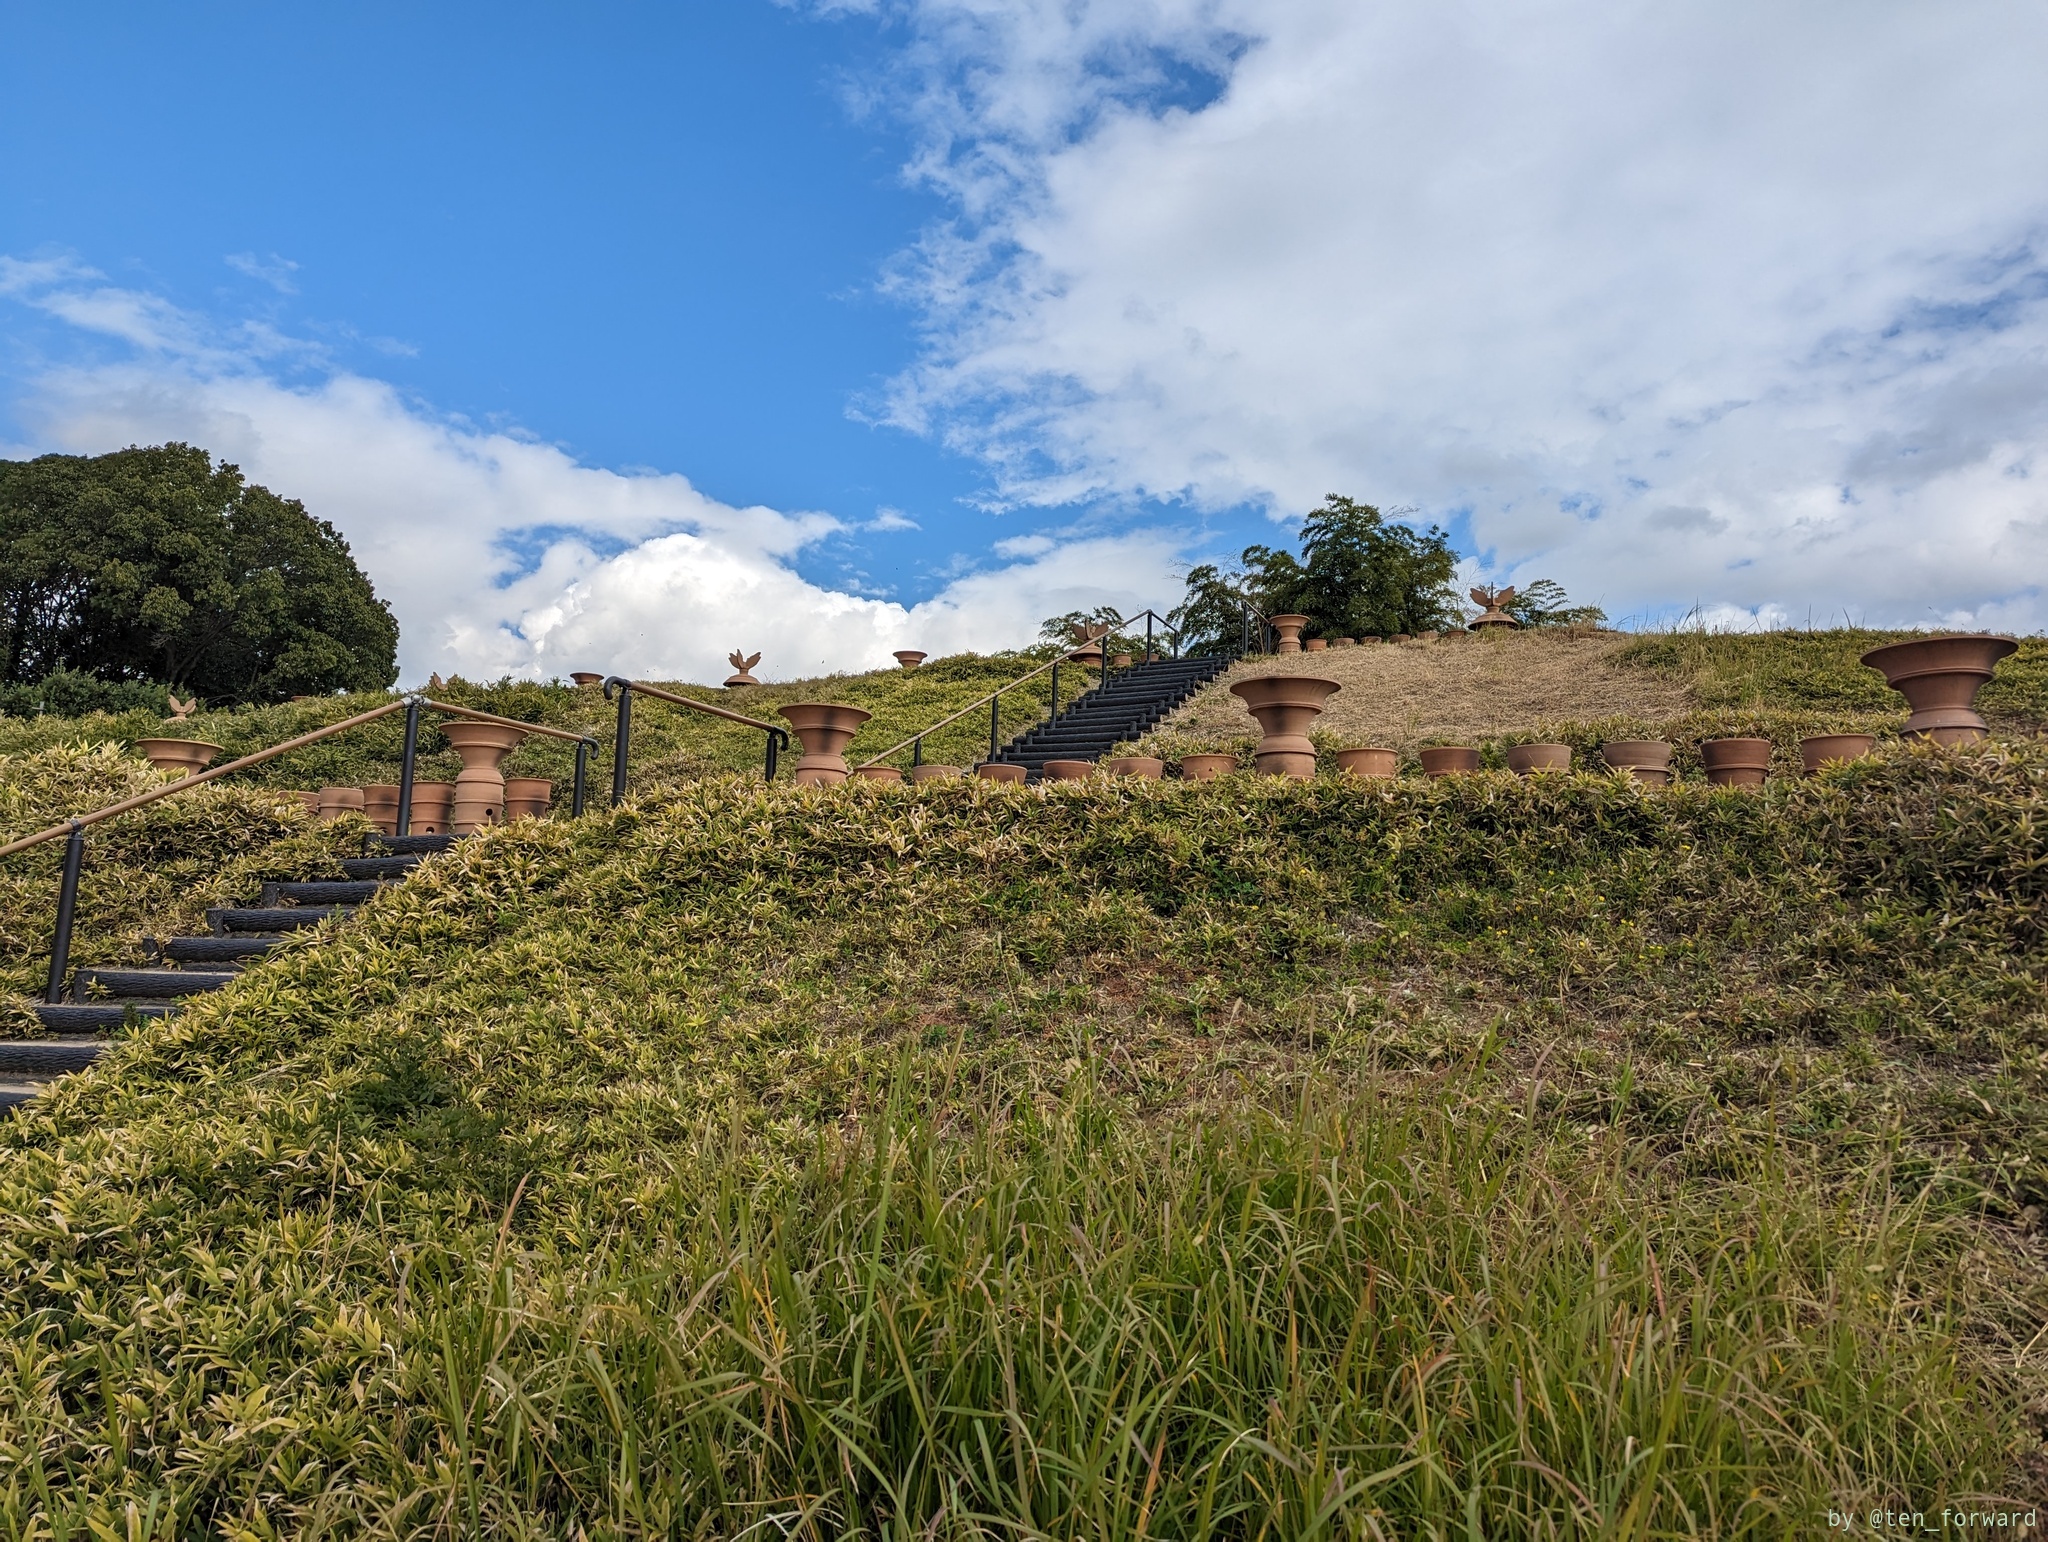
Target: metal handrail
<point>622,739</point>
<point>74,828</point>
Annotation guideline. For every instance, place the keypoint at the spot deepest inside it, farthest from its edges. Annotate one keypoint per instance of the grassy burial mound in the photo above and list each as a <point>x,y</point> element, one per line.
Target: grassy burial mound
<point>1471,1157</point>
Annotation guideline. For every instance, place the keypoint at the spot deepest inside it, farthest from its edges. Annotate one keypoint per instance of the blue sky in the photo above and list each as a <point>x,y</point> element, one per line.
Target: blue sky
<point>631,333</point>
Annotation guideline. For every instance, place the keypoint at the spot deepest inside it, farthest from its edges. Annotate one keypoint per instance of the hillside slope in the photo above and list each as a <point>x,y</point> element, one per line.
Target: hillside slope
<point>1157,1159</point>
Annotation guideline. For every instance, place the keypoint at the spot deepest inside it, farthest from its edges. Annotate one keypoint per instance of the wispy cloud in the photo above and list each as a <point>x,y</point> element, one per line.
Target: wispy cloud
<point>273,270</point>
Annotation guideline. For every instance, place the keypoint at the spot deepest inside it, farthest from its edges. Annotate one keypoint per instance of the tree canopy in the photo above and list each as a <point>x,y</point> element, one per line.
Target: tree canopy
<point>154,564</point>
<point>1358,575</point>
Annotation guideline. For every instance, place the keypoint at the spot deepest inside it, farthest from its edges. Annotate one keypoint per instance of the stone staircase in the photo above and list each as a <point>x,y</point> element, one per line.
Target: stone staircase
<point>1132,703</point>
<point>101,998</point>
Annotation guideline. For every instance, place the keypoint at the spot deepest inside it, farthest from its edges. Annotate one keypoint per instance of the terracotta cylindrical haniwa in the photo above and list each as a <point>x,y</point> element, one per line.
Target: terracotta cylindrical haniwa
<point>934,773</point>
<point>1736,762</point>
<point>528,797</point>
<point>585,677</point>
<point>1527,759</point>
<point>1206,768</point>
<point>1315,645</point>
<point>1647,760</point>
<point>1940,678</point>
<point>909,658</point>
<point>1343,642</point>
<point>1364,640</point>
<point>309,800</point>
<point>1289,627</point>
<point>183,756</point>
<point>336,801</point>
<point>480,785</point>
<point>433,808</point>
<point>1148,766</point>
<point>380,805</point>
<point>1425,637</point>
<point>998,771</point>
<point>823,730</point>
<point>1829,749</point>
<point>1067,770</point>
<point>1285,705</point>
<point>1121,661</point>
<point>1449,759</point>
<point>1400,637</point>
<point>878,774</point>
<point>1373,760</point>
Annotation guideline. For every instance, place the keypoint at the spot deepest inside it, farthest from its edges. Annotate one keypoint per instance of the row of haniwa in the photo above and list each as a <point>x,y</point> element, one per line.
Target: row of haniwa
<point>437,807</point>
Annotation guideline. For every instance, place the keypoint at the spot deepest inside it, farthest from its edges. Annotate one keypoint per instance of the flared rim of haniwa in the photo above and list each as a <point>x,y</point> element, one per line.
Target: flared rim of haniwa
<point>1881,659</point>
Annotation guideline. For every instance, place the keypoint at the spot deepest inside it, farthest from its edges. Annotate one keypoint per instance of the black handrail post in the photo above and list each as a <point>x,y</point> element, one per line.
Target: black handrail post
<point>583,749</point>
<point>1055,688</point>
<point>622,737</point>
<point>777,740</point>
<point>1148,637</point>
<point>407,762</point>
<point>994,718</point>
<point>67,903</point>
<point>917,753</point>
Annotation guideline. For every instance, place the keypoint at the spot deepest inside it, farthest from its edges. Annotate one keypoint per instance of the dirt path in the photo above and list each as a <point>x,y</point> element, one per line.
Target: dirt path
<point>1400,694</point>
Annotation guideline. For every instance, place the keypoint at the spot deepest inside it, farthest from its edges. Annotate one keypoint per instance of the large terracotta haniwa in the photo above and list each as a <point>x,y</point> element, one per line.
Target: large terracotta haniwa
<point>1819,750</point>
<point>528,797</point>
<point>1285,705</point>
<point>1449,759</point>
<point>824,729</point>
<point>1067,770</point>
<point>1289,627</point>
<point>480,786</point>
<point>585,677</point>
<point>1940,678</point>
<point>1206,768</point>
<point>183,756</point>
<point>1528,759</point>
<point>1647,760</point>
<point>1372,760</point>
<point>909,658</point>
<point>1736,762</point>
<point>433,808</point>
<point>380,805</point>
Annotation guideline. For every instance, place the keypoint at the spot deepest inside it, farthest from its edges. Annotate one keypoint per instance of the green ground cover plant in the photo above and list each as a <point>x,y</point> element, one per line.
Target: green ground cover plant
<point>1479,1157</point>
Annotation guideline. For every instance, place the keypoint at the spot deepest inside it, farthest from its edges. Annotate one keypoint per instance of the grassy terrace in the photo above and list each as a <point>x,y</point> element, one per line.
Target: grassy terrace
<point>1459,1158</point>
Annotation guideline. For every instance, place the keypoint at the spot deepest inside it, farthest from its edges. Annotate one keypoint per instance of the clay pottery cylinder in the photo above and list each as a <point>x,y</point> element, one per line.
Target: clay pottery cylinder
<point>1940,678</point>
<point>1147,766</point>
<point>1425,637</point>
<point>934,773</point>
<point>1067,770</point>
<point>824,729</point>
<point>1289,628</point>
<point>996,771</point>
<point>1736,762</point>
<point>311,800</point>
<point>1315,645</point>
<point>380,804</point>
<point>336,801</point>
<point>1284,706</point>
<point>1206,768</point>
<point>1121,661</point>
<point>480,785</point>
<point>528,797</point>
<point>909,658</point>
<point>1525,759</point>
<point>1647,760</point>
<point>433,808</point>
<point>1365,640</point>
<point>1343,642</point>
<point>1824,749</point>
<point>585,677</point>
<point>1372,761</point>
<point>1400,637</point>
<point>183,756</point>
<point>1449,759</point>
<point>878,774</point>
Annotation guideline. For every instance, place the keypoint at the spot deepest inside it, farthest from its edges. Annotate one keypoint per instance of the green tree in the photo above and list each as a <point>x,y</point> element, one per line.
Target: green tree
<point>157,565</point>
<point>1544,603</point>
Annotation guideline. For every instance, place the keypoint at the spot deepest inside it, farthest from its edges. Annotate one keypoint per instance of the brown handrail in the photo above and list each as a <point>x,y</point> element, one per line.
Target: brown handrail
<point>701,706</point>
<point>185,783</point>
<point>984,701</point>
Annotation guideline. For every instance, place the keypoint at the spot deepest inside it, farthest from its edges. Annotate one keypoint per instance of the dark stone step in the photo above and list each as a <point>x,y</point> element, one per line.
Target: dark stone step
<point>13,1094</point>
<point>380,867</point>
<point>352,891</point>
<point>217,950</point>
<point>53,1057</point>
<point>285,918</point>
<point>414,845</point>
<point>150,982</point>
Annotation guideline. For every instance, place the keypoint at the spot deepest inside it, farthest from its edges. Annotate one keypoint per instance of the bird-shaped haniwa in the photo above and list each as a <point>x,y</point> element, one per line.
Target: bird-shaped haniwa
<point>1491,601</point>
<point>180,710</point>
<point>744,663</point>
